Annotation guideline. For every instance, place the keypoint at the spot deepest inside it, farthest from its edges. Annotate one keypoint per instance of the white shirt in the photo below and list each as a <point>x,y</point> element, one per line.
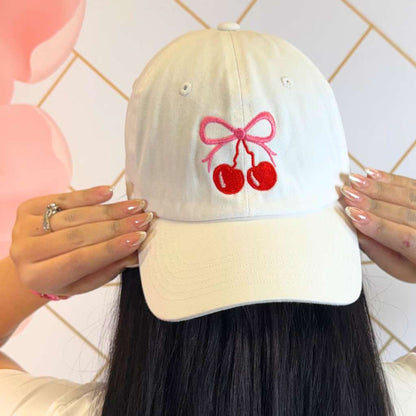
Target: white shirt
<point>22,394</point>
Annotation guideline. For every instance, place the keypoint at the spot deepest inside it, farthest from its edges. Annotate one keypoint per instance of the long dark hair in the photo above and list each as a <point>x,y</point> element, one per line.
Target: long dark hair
<point>268,359</point>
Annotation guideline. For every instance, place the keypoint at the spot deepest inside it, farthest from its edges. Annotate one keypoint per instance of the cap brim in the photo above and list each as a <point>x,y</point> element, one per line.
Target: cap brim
<point>190,269</point>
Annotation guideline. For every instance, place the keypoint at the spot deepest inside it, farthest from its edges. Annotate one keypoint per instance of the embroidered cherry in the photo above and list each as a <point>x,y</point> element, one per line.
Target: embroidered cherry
<point>262,177</point>
<point>227,178</point>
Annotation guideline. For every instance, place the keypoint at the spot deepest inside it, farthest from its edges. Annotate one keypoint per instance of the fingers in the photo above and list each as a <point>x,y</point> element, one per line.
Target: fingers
<point>381,211</point>
<point>398,237</point>
<point>81,215</point>
<point>390,211</point>
<point>83,197</point>
<point>387,192</point>
<point>387,259</point>
<point>100,277</point>
<point>76,264</point>
<point>391,178</point>
<point>68,239</point>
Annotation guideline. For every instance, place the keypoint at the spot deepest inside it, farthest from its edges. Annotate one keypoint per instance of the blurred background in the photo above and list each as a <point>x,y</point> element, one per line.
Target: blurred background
<point>365,48</point>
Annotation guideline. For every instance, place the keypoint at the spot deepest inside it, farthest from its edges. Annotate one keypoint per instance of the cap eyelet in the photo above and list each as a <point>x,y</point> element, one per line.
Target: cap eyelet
<point>186,88</point>
<point>286,81</point>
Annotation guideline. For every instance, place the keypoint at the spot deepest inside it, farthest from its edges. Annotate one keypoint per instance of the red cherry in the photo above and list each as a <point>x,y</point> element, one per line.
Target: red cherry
<point>227,179</point>
<point>262,177</point>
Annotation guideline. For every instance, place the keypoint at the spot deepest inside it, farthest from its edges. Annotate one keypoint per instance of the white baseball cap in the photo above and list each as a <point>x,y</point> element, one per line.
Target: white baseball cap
<point>235,140</point>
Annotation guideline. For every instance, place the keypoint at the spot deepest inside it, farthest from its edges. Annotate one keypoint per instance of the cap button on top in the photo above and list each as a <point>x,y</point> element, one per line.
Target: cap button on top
<point>228,26</point>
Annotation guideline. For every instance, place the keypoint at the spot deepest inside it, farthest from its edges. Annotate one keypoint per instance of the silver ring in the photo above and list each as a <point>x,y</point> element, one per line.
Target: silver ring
<point>49,211</point>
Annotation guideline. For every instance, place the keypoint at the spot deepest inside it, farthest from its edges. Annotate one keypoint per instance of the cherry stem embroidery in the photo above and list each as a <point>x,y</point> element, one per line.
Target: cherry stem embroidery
<point>237,153</point>
<point>241,134</point>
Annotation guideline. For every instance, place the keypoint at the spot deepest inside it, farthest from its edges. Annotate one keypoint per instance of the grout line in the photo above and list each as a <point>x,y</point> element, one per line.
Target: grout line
<point>390,333</point>
<point>354,48</point>
<point>248,8</point>
<point>404,155</point>
<point>118,178</point>
<point>382,349</point>
<point>52,87</point>
<point>193,14</point>
<point>357,161</point>
<point>101,75</point>
<point>70,327</point>
<point>385,37</point>
<point>99,372</point>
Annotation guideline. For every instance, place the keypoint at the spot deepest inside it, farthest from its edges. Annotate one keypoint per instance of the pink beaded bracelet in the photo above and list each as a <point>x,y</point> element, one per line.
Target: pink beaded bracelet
<point>50,297</point>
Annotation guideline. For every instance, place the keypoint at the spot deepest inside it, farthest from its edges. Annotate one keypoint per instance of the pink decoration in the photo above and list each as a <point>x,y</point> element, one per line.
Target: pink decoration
<point>35,39</point>
<point>34,161</point>
<point>240,134</point>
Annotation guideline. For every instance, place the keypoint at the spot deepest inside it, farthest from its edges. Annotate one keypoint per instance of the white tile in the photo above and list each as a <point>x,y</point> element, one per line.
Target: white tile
<point>393,351</point>
<point>91,116</point>
<point>48,347</point>
<point>119,192</point>
<point>380,334</point>
<point>91,314</point>
<point>375,91</point>
<point>32,93</point>
<point>396,18</point>
<point>324,30</point>
<point>120,37</point>
<point>392,302</point>
<point>408,166</point>
<point>354,168</point>
<point>215,12</point>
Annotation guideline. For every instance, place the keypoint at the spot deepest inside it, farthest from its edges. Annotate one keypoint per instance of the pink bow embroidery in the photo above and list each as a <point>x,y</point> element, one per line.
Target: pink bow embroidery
<point>238,133</point>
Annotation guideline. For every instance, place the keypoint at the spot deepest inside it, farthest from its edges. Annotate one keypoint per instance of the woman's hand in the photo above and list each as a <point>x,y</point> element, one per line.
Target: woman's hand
<point>87,246</point>
<point>388,235</point>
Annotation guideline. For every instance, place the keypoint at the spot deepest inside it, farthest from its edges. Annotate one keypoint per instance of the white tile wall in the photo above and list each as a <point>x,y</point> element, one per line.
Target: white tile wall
<point>33,93</point>
<point>375,88</point>
<point>120,37</point>
<point>48,347</point>
<point>396,18</point>
<point>324,30</point>
<point>376,92</point>
<point>91,117</point>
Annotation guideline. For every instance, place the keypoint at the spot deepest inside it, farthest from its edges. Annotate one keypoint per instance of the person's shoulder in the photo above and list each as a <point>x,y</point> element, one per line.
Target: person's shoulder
<point>401,381</point>
<point>22,392</point>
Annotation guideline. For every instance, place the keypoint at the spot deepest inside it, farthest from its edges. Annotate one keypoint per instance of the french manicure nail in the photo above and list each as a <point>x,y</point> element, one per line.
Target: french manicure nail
<point>106,190</point>
<point>137,239</point>
<point>359,180</point>
<point>351,193</point>
<point>135,206</point>
<point>143,221</point>
<point>357,215</point>
<point>376,174</point>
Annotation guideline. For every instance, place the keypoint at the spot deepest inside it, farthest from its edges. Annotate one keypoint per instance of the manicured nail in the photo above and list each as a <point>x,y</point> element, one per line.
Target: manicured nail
<point>135,206</point>
<point>351,193</point>
<point>376,174</point>
<point>359,180</point>
<point>106,190</point>
<point>135,240</point>
<point>357,215</point>
<point>143,221</point>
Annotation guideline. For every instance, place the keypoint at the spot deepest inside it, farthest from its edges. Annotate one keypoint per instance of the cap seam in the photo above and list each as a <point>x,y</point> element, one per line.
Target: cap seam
<point>243,113</point>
